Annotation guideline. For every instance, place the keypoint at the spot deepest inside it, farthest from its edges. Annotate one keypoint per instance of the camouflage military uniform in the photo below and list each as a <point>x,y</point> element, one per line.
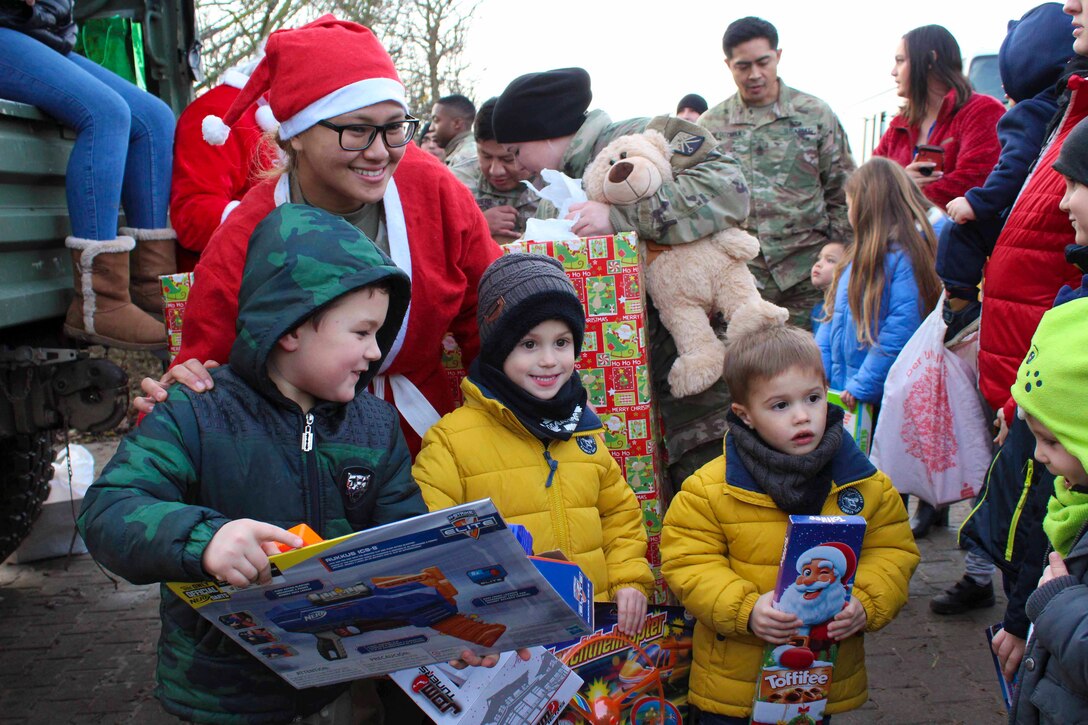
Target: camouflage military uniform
<point>709,193</point>
<point>523,200</point>
<point>203,459</point>
<point>462,160</point>
<point>796,159</point>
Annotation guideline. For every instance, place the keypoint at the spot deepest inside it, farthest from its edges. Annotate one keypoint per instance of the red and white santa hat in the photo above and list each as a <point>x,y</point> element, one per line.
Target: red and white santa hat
<point>317,71</point>
<point>839,555</point>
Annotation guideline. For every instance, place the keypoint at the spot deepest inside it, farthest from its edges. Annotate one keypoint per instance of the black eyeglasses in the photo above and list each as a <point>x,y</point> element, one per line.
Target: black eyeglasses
<point>359,136</point>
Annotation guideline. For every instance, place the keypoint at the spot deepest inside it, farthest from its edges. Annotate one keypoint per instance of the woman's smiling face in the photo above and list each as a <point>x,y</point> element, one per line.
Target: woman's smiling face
<point>342,181</point>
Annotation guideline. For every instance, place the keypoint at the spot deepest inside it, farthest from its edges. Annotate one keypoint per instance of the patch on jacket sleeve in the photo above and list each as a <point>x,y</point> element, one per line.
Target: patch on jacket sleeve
<point>355,480</point>
<point>588,444</point>
<point>851,501</point>
<point>686,144</point>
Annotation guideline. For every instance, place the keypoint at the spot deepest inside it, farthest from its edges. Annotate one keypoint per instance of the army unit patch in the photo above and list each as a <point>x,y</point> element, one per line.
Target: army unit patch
<point>686,144</point>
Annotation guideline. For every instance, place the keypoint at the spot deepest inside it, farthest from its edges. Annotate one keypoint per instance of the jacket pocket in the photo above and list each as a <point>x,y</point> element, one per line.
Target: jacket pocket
<point>1055,703</point>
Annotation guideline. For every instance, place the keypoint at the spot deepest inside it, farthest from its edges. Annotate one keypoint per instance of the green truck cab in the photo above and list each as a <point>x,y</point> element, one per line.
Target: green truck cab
<point>48,382</point>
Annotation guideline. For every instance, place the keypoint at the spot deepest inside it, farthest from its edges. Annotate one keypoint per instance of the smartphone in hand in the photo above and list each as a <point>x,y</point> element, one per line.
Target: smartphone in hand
<point>931,153</point>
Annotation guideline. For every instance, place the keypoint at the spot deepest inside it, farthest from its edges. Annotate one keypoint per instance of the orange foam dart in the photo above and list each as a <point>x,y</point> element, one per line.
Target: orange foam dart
<point>471,630</point>
<point>304,532</point>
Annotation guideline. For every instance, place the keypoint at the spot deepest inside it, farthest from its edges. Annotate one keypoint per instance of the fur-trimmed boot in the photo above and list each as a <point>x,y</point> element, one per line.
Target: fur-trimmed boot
<point>102,312</point>
<point>155,254</point>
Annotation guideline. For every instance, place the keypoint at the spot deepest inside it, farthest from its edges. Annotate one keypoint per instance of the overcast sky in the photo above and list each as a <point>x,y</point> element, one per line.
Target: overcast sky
<point>643,56</point>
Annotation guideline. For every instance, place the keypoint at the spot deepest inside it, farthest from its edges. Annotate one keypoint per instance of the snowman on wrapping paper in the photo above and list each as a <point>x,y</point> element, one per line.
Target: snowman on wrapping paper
<point>816,596</point>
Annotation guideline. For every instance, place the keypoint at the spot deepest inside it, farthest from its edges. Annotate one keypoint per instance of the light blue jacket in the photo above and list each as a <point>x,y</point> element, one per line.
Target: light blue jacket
<point>854,366</point>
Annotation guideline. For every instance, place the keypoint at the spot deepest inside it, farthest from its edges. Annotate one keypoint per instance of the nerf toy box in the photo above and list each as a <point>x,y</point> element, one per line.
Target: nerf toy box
<point>405,594</point>
<point>858,422</point>
<point>606,273</point>
<point>631,680</point>
<point>568,580</point>
<point>819,560</point>
<point>512,692</point>
<point>175,293</point>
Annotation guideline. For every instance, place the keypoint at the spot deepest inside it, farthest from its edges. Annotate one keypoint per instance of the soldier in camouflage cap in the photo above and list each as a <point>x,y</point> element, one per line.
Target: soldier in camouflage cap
<point>313,328</point>
<point>544,119</point>
<point>796,159</point>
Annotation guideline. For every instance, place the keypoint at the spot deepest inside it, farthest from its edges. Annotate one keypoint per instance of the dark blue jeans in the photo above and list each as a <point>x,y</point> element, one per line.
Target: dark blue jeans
<point>124,136</point>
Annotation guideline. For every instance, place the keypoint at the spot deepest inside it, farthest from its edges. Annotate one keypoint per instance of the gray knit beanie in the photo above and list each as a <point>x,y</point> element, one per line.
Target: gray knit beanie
<point>1073,157</point>
<point>518,292</point>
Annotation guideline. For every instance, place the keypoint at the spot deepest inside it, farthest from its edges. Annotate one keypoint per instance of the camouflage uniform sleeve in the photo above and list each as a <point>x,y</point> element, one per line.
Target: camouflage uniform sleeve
<point>708,192</point>
<point>135,518</point>
<point>836,165</point>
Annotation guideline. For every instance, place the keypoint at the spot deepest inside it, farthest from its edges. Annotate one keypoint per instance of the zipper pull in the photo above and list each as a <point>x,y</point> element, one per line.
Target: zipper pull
<point>552,465</point>
<point>308,433</point>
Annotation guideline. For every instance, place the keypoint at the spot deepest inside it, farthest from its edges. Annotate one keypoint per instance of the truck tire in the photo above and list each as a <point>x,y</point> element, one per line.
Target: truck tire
<point>26,467</point>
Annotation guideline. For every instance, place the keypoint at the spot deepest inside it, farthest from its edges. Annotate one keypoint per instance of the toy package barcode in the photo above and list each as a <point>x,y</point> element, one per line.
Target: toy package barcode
<point>857,422</point>
<point>819,560</point>
<point>405,594</point>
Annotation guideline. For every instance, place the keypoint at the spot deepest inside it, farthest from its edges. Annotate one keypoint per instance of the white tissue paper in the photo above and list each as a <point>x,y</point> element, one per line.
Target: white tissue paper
<point>51,534</point>
<point>561,191</point>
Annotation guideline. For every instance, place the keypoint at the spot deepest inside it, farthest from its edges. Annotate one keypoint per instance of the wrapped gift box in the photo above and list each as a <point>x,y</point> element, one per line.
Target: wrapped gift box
<point>614,366</point>
<point>175,293</point>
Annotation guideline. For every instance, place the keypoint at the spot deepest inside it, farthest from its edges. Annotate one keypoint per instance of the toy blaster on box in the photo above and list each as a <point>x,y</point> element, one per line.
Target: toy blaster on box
<point>857,422</point>
<point>640,680</point>
<point>512,692</point>
<point>819,560</point>
<point>401,595</point>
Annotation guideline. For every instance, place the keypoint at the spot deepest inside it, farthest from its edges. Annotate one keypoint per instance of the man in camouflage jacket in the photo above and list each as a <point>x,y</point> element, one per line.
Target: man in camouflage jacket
<point>796,159</point>
<point>543,119</point>
<point>241,451</point>
<point>507,203</point>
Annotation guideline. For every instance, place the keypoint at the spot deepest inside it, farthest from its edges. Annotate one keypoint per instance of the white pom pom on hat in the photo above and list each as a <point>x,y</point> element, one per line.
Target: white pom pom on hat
<point>265,118</point>
<point>213,129</point>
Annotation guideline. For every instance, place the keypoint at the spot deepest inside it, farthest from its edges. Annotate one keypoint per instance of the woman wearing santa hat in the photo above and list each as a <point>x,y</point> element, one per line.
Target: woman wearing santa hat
<point>346,133</point>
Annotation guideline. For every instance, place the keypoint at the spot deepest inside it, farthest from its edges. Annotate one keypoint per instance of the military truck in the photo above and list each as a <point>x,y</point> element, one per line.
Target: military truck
<point>49,383</point>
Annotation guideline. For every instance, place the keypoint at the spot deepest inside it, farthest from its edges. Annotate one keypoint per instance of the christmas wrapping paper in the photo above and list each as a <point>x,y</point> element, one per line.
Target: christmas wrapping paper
<point>607,275</point>
<point>175,293</point>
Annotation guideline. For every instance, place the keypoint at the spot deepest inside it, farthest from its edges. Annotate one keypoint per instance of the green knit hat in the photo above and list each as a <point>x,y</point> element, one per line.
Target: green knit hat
<point>1052,382</point>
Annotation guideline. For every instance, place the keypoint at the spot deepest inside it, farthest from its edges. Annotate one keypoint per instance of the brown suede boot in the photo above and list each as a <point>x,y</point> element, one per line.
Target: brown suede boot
<point>155,254</point>
<point>102,312</point>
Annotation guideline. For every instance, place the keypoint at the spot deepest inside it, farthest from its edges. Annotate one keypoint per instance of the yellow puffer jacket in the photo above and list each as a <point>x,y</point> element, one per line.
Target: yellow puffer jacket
<point>721,546</point>
<point>569,495</point>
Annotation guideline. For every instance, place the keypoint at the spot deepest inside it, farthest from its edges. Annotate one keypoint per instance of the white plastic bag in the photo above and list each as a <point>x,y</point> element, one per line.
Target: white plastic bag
<point>932,436</point>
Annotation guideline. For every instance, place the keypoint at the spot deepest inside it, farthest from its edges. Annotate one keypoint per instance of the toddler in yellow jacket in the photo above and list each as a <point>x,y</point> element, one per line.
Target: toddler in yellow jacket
<point>785,452</point>
<point>526,438</point>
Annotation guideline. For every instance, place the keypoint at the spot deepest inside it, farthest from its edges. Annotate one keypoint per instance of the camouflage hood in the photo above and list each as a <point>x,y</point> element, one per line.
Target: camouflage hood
<point>300,259</point>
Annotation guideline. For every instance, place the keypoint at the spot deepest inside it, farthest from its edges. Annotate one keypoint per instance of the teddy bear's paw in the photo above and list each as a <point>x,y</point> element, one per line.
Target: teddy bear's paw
<point>738,244</point>
<point>754,316</point>
<point>696,371</point>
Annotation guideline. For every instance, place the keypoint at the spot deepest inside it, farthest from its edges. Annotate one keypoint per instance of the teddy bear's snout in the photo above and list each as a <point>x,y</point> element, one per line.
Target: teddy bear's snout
<point>620,171</point>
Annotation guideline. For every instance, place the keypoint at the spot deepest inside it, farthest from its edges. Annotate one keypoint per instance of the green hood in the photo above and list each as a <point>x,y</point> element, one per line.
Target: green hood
<point>300,259</point>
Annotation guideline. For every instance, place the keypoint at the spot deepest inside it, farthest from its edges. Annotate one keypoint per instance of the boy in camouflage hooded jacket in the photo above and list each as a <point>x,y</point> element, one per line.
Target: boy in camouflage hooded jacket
<point>207,484</point>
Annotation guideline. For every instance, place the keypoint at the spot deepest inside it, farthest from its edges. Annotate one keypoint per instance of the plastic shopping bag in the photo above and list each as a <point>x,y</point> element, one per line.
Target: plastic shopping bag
<point>932,437</point>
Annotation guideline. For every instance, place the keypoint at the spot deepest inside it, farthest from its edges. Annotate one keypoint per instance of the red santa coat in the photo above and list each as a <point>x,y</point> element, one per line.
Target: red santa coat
<point>449,247</point>
<point>1027,266</point>
<point>968,137</point>
<point>208,181</point>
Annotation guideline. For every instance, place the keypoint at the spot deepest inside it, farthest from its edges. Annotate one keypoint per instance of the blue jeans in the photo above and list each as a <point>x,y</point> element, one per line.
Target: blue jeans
<point>124,136</point>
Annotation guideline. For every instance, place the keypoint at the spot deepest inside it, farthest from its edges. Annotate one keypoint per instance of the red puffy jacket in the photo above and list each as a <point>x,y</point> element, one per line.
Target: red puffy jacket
<point>1027,267</point>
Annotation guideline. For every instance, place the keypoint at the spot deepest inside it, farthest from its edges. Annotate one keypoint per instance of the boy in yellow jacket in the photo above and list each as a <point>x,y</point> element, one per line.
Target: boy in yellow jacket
<point>785,452</point>
<point>527,439</point>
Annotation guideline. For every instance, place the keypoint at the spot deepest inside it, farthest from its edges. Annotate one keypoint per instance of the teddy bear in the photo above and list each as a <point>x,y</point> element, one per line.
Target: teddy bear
<point>689,282</point>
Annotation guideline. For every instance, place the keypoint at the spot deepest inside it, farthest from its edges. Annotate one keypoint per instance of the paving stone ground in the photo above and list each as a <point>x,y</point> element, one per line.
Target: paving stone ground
<point>78,648</point>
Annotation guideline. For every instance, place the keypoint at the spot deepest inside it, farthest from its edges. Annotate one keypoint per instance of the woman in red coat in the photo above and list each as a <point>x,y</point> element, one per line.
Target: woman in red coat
<point>345,132</point>
<point>940,110</point>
